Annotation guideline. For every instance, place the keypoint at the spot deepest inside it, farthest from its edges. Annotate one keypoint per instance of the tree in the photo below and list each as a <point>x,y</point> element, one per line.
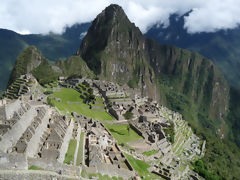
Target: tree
<point>128,115</point>
<point>128,129</point>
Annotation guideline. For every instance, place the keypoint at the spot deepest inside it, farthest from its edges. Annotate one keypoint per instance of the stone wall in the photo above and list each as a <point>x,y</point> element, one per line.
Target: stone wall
<point>111,170</point>
<point>113,113</point>
<point>55,166</point>
<point>65,143</point>
<point>10,138</point>
<point>136,130</point>
<point>33,144</point>
<point>32,175</point>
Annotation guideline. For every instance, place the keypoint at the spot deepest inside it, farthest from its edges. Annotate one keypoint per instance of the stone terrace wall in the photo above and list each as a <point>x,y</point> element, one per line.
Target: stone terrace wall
<point>111,170</point>
<point>65,143</point>
<point>33,144</point>
<point>10,138</point>
<point>55,166</point>
<point>31,175</point>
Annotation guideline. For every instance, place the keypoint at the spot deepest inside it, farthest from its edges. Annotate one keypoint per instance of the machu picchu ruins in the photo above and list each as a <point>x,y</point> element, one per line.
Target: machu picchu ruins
<point>63,136</point>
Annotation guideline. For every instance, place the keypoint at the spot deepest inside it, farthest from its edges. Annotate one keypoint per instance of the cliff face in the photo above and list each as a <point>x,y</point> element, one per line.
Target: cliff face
<point>191,75</point>
<point>115,49</point>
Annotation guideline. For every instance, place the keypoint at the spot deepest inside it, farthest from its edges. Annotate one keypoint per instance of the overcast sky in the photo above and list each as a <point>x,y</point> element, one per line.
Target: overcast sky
<point>43,16</point>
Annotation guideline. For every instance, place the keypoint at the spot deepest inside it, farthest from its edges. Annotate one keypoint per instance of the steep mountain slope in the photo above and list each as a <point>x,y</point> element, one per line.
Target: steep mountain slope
<point>221,46</point>
<point>32,61</point>
<point>74,65</point>
<point>10,46</point>
<point>52,46</point>
<point>116,50</point>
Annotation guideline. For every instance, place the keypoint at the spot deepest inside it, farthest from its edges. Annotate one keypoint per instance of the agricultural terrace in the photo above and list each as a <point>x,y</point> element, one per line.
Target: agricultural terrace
<point>142,168</point>
<point>69,156</point>
<point>123,133</point>
<point>68,100</point>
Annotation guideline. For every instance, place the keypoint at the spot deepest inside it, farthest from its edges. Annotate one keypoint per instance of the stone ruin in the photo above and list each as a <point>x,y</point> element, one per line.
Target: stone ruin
<point>101,148</point>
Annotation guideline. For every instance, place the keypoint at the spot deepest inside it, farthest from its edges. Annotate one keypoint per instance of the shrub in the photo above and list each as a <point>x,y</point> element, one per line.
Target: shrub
<point>128,115</point>
<point>47,92</point>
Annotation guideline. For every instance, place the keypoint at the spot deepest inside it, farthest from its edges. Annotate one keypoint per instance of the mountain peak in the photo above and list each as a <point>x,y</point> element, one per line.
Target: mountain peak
<point>111,12</point>
<point>114,8</point>
<point>111,30</point>
<point>110,16</point>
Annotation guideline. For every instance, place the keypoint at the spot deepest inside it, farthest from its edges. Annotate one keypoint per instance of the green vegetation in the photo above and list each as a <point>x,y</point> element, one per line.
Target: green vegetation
<point>150,153</point>
<point>69,156</point>
<point>202,171</point>
<point>80,150</point>
<point>47,92</point>
<point>170,133</point>
<point>75,66</point>
<point>234,116</point>
<point>128,115</point>
<point>17,88</point>
<point>222,157</point>
<point>72,102</point>
<point>35,168</point>
<point>141,167</point>
<point>51,84</point>
<point>44,73</point>
<point>22,62</point>
<point>122,134</point>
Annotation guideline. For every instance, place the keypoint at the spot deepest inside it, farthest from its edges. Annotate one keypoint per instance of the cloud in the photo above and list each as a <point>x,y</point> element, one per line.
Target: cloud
<point>82,35</point>
<point>46,16</point>
<point>214,15</point>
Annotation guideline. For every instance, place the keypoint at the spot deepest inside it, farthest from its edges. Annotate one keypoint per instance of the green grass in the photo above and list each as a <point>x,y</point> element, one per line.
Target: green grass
<point>80,150</point>
<point>149,153</point>
<point>99,100</point>
<point>68,95</point>
<point>141,167</point>
<point>69,156</point>
<point>35,168</point>
<point>120,133</point>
